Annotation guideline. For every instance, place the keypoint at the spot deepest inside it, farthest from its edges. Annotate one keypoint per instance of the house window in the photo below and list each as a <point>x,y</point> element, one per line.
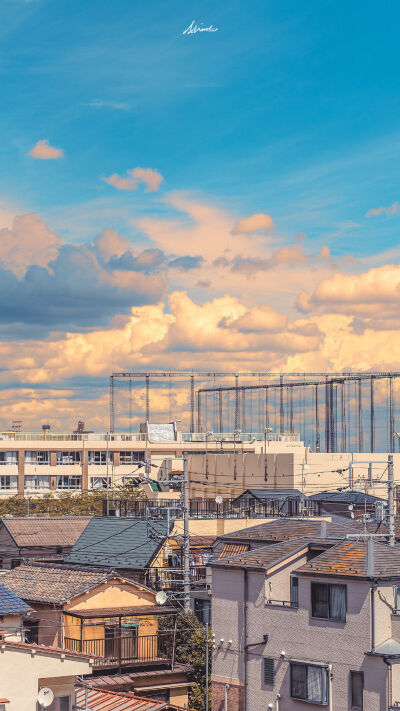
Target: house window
<point>36,481</point>
<point>268,670</point>
<point>357,690</point>
<point>68,458</point>
<point>60,703</point>
<point>37,457</point>
<point>397,599</point>
<point>202,610</point>
<point>294,591</point>
<point>8,458</point>
<point>8,482</point>
<point>329,602</point>
<point>309,682</point>
<point>99,457</point>
<point>69,482</point>
<point>31,629</point>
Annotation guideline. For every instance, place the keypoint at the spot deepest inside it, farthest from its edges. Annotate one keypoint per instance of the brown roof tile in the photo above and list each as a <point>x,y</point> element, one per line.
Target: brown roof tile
<point>264,558</point>
<point>285,528</point>
<point>46,532</point>
<point>349,558</point>
<point>51,584</point>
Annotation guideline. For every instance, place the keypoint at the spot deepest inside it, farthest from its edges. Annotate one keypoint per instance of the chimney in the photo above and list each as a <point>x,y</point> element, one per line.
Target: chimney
<point>370,558</point>
<point>323,529</point>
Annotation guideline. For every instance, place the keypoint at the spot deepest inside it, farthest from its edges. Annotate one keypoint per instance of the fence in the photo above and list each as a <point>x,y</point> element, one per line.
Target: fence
<point>124,649</point>
<point>208,508</point>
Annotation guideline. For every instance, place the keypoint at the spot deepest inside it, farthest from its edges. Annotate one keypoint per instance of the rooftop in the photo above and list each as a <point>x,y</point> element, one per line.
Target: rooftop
<point>268,494</point>
<point>47,531</point>
<point>265,558</point>
<point>286,528</point>
<point>349,559</point>
<point>52,583</point>
<point>11,604</point>
<point>96,700</point>
<point>118,542</point>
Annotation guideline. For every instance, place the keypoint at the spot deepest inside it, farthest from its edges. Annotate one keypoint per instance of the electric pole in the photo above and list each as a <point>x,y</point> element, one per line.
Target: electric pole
<point>186,538</point>
<point>391,500</point>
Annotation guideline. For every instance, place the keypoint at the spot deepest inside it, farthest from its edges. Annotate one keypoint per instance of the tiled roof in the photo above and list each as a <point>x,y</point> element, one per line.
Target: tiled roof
<point>11,604</point>
<point>45,532</point>
<point>264,558</point>
<point>266,494</point>
<point>350,497</point>
<point>111,701</point>
<point>118,542</point>
<point>5,644</point>
<point>53,584</point>
<point>285,528</point>
<point>133,677</point>
<point>349,558</point>
<point>233,549</point>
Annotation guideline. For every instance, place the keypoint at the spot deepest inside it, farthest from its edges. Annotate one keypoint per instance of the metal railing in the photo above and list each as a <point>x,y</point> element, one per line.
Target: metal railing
<point>208,508</point>
<point>124,649</point>
<point>194,437</point>
<point>282,603</point>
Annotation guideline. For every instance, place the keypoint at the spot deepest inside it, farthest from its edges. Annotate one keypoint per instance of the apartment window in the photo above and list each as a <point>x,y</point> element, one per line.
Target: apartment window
<point>69,482</point>
<point>328,601</point>
<point>99,457</point>
<point>35,481</point>
<point>8,482</point>
<point>37,457</point>
<point>202,610</point>
<point>8,458</point>
<point>309,682</point>
<point>131,457</point>
<point>294,591</point>
<point>100,482</point>
<point>68,458</point>
<point>357,690</point>
<point>268,670</point>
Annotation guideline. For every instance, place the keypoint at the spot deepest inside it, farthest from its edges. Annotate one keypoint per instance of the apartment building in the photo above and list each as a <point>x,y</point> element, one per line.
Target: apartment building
<point>82,461</point>
<point>307,620</point>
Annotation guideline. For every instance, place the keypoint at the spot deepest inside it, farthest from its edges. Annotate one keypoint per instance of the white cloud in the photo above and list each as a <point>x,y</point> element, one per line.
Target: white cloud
<point>44,151</point>
<point>256,223</point>
<point>151,179</point>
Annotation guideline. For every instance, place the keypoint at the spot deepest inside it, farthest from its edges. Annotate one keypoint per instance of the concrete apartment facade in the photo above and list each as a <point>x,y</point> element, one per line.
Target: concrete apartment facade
<point>273,649</point>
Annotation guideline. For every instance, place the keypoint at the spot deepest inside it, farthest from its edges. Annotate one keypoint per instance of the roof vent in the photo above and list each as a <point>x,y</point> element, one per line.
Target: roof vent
<point>323,529</point>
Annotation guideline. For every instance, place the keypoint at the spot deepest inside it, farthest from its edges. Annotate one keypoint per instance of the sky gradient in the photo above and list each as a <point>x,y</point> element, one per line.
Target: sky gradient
<point>222,200</point>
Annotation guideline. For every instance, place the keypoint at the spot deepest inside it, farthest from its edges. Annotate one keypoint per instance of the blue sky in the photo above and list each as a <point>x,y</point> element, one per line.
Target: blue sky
<point>288,114</point>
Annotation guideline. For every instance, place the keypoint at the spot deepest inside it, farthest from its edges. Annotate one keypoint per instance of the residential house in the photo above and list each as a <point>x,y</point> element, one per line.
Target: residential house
<point>27,668</point>
<point>89,698</point>
<point>13,614</point>
<point>40,537</point>
<point>349,503</point>
<point>307,620</point>
<point>100,613</point>
<point>275,502</point>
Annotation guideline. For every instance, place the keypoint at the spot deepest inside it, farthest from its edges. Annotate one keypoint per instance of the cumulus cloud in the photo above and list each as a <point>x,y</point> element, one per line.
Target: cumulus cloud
<point>145,261</point>
<point>151,179</point>
<point>391,210</point>
<point>285,255</point>
<point>29,241</point>
<point>257,319</point>
<point>256,223</point>
<point>44,151</point>
<point>186,263</point>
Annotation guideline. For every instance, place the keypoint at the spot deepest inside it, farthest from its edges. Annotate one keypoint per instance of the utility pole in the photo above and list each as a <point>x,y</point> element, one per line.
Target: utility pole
<point>207,623</point>
<point>186,538</point>
<point>391,500</point>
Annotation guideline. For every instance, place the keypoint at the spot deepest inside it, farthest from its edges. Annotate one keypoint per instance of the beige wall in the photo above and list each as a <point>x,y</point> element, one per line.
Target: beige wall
<point>22,674</point>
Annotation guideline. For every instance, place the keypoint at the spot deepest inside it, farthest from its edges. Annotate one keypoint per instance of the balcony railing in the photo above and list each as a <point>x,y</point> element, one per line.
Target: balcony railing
<point>172,578</point>
<point>124,649</point>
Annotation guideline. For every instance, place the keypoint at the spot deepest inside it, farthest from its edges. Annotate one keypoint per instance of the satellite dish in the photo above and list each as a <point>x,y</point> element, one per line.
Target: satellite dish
<point>45,697</point>
<point>161,597</point>
<point>218,499</point>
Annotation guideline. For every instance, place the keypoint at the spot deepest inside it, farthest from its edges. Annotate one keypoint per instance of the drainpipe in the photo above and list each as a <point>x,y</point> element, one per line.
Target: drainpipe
<point>226,697</point>
<point>389,681</point>
<point>370,575</point>
<point>330,691</point>
<point>373,588</point>
<point>245,600</point>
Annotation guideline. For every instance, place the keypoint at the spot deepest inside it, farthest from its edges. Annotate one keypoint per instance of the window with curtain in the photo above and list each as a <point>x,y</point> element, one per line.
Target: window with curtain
<point>294,591</point>
<point>357,690</point>
<point>328,601</point>
<point>309,682</point>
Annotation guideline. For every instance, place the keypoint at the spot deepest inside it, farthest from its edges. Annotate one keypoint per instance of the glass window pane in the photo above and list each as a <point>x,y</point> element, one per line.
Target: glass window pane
<point>320,600</point>
<point>357,688</point>
<point>299,681</point>
<point>316,684</point>
<point>337,602</point>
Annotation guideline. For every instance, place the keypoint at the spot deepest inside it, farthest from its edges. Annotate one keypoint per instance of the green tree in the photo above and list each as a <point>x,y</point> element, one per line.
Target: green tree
<point>65,503</point>
<point>191,649</point>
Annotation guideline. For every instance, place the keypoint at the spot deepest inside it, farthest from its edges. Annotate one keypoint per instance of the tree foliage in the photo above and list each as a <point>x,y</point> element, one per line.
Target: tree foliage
<point>65,503</point>
<point>191,649</point>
